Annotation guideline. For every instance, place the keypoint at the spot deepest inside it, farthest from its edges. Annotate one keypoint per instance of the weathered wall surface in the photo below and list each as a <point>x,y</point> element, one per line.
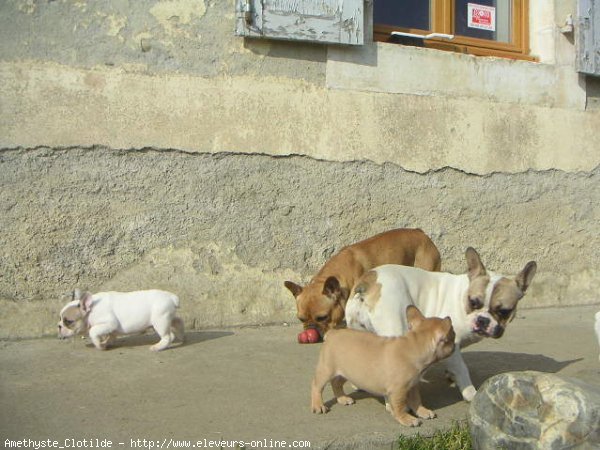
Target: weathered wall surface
<point>225,230</point>
<point>56,106</point>
<point>163,37</point>
<point>143,145</point>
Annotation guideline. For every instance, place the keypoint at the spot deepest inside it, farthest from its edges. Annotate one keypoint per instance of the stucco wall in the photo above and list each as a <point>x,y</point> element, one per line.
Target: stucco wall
<point>171,74</point>
<point>142,145</point>
<point>225,230</point>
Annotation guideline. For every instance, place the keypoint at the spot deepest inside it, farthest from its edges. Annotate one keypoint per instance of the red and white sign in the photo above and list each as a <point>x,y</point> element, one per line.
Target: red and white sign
<point>481,16</point>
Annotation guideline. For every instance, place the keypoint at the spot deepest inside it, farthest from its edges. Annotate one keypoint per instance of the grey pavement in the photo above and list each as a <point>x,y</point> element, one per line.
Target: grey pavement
<point>248,384</point>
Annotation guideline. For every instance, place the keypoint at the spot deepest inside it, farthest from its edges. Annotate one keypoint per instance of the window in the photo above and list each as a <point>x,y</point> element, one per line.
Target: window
<point>480,27</point>
<point>325,21</point>
<point>588,37</point>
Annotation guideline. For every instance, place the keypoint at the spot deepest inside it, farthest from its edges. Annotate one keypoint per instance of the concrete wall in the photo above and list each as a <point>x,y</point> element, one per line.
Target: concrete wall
<point>143,145</point>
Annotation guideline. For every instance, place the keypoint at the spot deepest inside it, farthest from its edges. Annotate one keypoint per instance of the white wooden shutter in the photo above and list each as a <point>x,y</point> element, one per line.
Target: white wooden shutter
<point>588,37</point>
<point>327,21</point>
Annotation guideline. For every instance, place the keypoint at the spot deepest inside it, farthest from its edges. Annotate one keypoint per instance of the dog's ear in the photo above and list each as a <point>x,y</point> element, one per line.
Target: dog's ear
<point>333,290</point>
<point>294,288</point>
<point>85,302</point>
<point>447,323</point>
<point>446,334</point>
<point>475,267</point>
<point>76,295</point>
<point>523,279</point>
<point>413,316</point>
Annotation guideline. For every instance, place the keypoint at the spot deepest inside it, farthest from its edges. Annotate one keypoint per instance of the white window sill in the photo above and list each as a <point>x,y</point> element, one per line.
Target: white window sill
<point>398,69</point>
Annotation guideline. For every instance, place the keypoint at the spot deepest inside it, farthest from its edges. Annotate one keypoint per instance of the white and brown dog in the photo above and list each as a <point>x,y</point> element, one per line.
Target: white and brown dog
<point>480,304</point>
<point>107,314</point>
<point>320,304</point>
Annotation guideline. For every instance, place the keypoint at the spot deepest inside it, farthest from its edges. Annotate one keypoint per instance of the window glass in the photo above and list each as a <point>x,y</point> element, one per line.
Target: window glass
<point>402,13</point>
<point>485,19</point>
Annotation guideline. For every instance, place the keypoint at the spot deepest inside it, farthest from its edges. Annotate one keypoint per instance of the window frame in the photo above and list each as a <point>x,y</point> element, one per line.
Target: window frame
<point>442,21</point>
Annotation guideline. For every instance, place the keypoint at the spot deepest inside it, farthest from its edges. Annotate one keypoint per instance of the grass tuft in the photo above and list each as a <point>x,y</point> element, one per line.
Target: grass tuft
<point>456,438</point>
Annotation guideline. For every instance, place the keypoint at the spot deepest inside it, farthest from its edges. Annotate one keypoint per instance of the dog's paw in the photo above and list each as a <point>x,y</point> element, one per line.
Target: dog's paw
<point>345,400</point>
<point>409,421</point>
<point>319,409</point>
<point>468,393</point>
<point>425,413</point>
<point>416,423</point>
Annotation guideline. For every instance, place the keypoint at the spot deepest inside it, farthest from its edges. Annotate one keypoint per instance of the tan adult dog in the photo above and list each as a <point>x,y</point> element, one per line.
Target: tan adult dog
<point>321,303</point>
<point>389,367</point>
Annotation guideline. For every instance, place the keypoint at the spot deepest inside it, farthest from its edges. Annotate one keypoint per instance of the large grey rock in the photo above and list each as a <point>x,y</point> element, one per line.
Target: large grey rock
<point>533,410</point>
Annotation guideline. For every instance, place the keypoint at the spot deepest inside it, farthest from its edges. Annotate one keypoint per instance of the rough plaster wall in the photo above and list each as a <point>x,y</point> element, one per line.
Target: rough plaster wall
<point>225,230</point>
<point>58,106</point>
<point>184,36</point>
<point>171,74</point>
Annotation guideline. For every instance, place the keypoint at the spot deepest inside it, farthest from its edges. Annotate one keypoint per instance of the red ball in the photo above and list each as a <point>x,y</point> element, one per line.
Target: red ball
<point>303,338</point>
<point>312,335</point>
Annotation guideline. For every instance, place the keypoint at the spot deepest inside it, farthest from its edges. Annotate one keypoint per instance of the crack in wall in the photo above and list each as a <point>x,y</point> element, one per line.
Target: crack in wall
<point>100,218</point>
<point>224,154</point>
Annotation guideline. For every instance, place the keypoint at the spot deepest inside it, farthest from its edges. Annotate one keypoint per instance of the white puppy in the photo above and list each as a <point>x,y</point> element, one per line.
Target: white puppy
<point>107,314</point>
<point>480,304</point>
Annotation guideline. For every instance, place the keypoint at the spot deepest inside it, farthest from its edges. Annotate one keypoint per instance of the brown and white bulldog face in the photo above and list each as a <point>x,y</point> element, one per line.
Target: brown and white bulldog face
<point>492,299</point>
<point>73,315</point>
<point>319,305</point>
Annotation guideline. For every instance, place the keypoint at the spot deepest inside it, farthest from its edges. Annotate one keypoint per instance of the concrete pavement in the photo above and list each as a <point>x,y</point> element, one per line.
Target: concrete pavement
<point>247,384</point>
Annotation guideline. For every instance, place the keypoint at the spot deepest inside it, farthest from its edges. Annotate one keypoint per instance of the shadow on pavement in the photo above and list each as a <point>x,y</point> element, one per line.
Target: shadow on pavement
<point>195,337</point>
<point>483,365</point>
<point>437,392</point>
<point>151,338</point>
